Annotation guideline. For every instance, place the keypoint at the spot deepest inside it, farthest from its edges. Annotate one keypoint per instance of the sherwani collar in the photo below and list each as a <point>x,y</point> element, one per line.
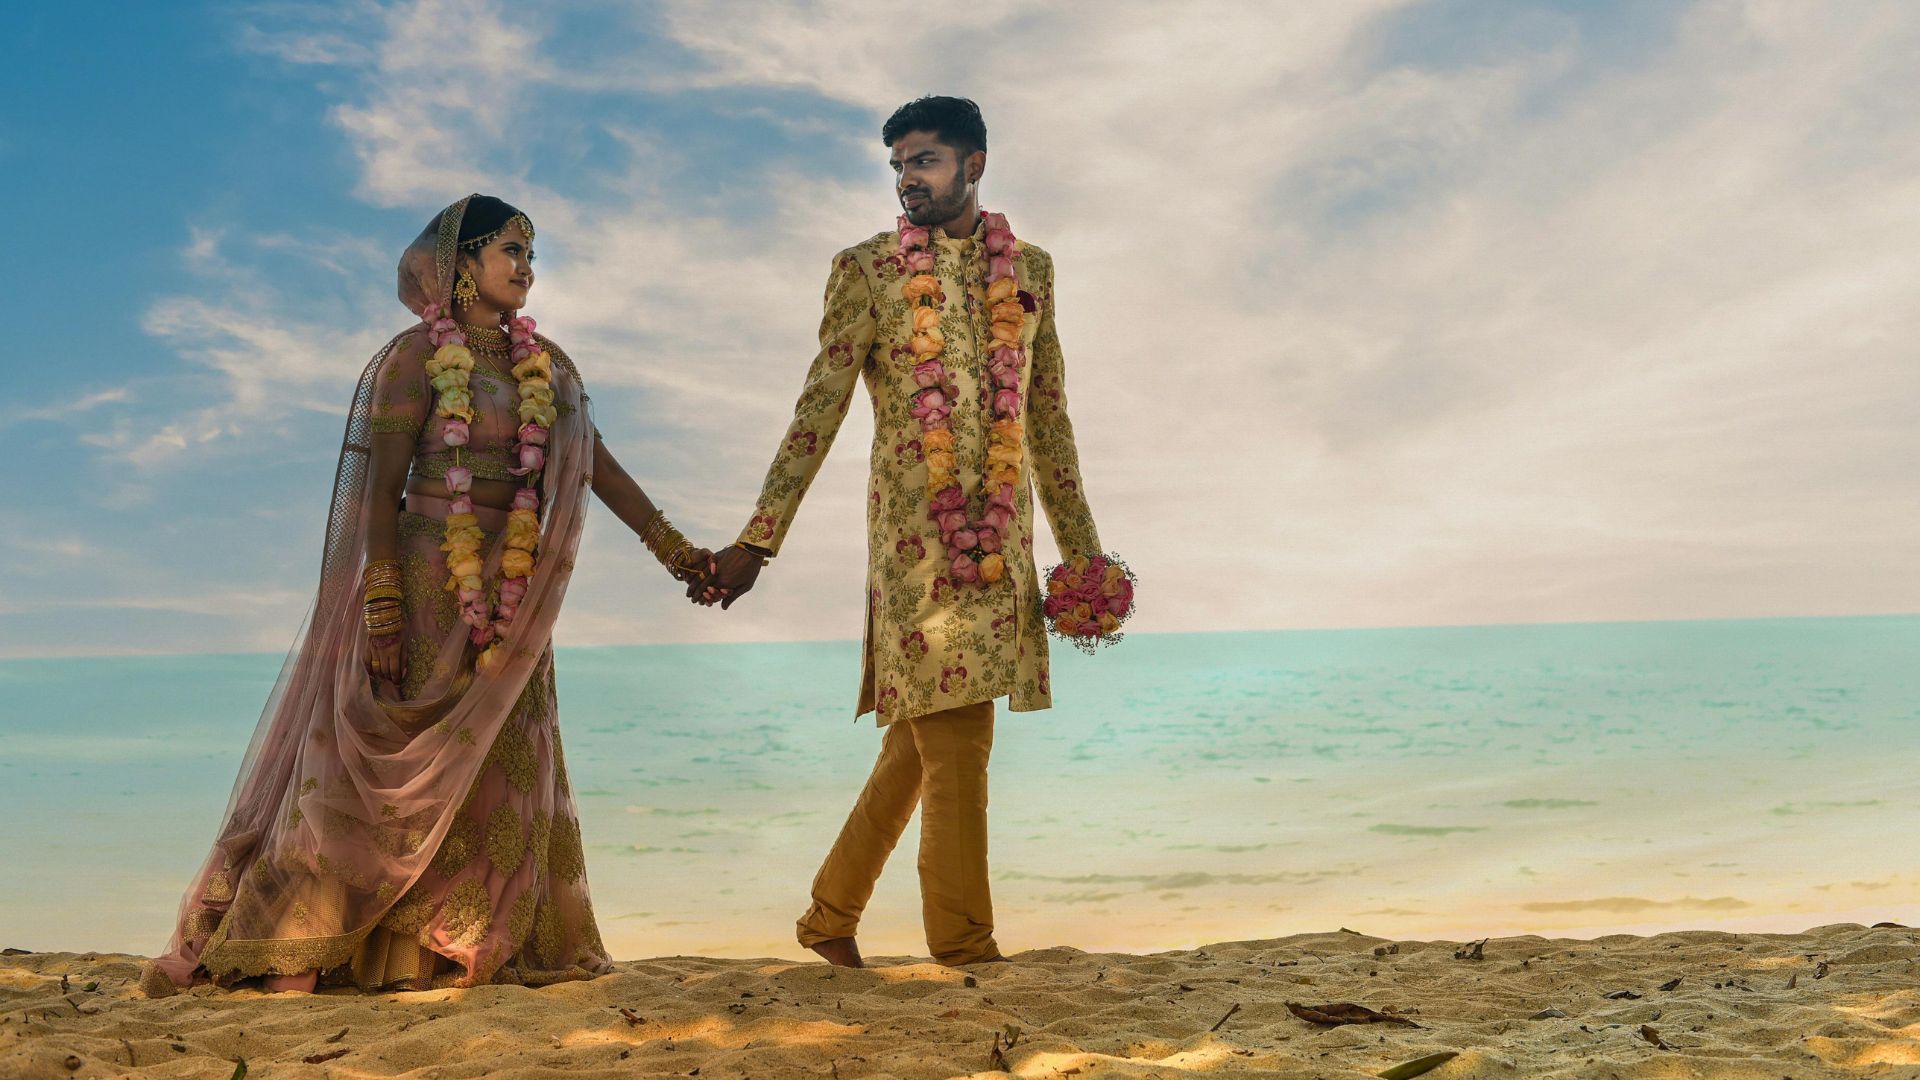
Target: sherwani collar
<point>978,234</point>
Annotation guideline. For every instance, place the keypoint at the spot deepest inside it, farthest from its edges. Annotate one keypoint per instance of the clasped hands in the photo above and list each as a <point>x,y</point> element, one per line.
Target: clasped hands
<point>730,574</point>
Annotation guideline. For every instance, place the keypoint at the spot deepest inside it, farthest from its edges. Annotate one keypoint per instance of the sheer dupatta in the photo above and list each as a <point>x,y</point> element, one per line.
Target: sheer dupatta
<point>347,791</point>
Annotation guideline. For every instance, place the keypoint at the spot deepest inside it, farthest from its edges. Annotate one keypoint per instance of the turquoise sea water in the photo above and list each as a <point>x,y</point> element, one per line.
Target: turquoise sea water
<point>1456,782</point>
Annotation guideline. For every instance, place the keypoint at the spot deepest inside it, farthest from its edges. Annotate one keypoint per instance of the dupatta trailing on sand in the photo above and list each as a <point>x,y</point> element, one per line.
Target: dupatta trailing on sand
<point>348,790</point>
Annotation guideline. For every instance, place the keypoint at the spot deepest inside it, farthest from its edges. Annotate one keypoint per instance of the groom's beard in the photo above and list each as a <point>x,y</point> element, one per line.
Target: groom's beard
<point>939,206</point>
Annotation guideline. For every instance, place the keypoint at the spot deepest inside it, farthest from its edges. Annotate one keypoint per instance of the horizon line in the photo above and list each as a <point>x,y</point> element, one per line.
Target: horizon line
<point>30,657</point>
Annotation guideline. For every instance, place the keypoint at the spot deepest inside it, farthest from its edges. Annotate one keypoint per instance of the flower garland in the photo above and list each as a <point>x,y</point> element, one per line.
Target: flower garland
<point>1088,597</point>
<point>450,368</point>
<point>973,543</point>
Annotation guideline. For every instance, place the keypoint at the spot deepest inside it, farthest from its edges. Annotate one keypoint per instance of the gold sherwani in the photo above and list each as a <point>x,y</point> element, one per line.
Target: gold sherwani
<point>932,644</point>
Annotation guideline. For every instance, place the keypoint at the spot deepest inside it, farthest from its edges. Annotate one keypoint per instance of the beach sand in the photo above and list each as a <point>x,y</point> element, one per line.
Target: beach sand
<point>1840,1000</point>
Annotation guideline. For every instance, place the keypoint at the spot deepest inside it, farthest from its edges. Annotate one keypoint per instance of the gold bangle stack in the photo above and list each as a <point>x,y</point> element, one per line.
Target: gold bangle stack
<point>666,543</point>
<point>384,600</point>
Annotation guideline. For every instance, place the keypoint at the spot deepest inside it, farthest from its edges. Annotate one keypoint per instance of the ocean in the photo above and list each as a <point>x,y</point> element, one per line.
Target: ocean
<point>1564,780</point>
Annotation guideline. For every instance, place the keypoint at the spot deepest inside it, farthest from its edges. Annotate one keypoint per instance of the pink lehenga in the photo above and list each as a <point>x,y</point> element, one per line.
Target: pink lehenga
<point>423,833</point>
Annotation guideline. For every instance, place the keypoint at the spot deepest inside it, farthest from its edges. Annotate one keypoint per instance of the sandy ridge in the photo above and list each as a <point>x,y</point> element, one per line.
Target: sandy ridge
<point>1747,1005</point>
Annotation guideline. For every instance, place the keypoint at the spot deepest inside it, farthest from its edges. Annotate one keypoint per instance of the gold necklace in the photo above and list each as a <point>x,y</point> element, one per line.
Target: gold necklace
<point>490,338</point>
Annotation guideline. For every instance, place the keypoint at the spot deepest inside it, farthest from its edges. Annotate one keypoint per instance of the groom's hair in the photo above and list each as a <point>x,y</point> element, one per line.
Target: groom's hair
<point>954,121</point>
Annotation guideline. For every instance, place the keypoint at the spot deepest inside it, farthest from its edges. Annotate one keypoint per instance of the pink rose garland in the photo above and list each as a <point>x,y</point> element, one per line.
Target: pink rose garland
<point>449,369</point>
<point>973,543</point>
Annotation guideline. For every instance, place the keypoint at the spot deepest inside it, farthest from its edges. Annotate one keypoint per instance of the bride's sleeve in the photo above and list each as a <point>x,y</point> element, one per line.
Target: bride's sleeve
<point>402,395</point>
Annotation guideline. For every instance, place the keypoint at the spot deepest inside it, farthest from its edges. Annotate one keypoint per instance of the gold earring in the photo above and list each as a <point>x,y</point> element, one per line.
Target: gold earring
<point>465,290</point>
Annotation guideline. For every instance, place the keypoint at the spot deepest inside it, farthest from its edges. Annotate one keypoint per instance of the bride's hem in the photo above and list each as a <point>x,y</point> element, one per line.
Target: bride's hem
<point>225,959</point>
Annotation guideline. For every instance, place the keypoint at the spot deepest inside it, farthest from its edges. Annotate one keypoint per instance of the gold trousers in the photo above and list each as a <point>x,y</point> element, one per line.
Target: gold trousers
<point>938,761</point>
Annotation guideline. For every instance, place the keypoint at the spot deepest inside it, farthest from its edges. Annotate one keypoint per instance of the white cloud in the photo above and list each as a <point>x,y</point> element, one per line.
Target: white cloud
<point>1527,339</point>
<point>1636,355</point>
<point>448,88</point>
<point>85,403</point>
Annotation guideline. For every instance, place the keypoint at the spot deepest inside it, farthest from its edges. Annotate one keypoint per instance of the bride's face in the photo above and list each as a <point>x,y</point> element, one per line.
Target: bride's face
<point>503,270</point>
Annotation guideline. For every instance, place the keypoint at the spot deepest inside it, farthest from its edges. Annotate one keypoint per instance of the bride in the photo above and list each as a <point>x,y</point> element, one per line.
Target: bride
<point>402,816</point>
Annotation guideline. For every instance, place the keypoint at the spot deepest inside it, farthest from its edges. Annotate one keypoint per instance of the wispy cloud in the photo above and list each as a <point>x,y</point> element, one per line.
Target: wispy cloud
<point>1356,336</point>
<point>85,403</point>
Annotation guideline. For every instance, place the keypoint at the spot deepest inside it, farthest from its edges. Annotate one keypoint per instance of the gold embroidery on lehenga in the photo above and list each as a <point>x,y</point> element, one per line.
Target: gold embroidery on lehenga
<point>467,914</point>
<point>341,871</point>
<point>546,934</point>
<point>487,966</point>
<point>520,917</point>
<point>459,847</point>
<point>307,785</point>
<point>386,892</point>
<point>411,915</point>
<point>532,703</point>
<point>334,824</point>
<point>434,464</point>
<point>513,753</point>
<point>200,923</point>
<point>410,525</point>
<point>397,425</point>
<point>226,959</point>
<point>219,888</point>
<point>559,763</point>
<point>568,860</point>
<point>540,842</point>
<point>506,840</point>
<point>396,839</point>
<point>422,653</point>
<point>592,948</point>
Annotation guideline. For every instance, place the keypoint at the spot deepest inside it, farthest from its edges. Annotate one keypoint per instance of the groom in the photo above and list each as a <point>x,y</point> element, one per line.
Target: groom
<point>950,321</point>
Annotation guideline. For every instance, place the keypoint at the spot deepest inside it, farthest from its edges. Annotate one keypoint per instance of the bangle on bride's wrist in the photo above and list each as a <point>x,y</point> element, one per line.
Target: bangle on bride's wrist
<point>670,556</point>
<point>663,540</point>
<point>385,616</point>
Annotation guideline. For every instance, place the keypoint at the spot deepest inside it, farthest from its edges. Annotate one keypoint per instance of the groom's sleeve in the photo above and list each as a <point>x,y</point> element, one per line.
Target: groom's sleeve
<point>847,330</point>
<point>1056,463</point>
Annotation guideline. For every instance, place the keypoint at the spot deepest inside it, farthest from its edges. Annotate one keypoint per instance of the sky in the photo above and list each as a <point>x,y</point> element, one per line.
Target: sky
<point>1376,313</point>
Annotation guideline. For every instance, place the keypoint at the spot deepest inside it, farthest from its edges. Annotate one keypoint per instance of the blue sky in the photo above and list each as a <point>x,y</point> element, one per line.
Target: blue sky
<point>1487,312</point>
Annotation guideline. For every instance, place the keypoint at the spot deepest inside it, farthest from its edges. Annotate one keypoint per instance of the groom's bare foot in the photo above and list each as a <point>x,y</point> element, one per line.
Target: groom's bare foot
<point>840,952</point>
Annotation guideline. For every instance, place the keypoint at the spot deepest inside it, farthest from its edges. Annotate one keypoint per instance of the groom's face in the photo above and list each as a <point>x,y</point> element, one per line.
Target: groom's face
<point>932,180</point>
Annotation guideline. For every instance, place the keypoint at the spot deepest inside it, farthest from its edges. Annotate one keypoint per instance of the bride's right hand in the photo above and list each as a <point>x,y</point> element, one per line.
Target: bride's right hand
<point>385,659</point>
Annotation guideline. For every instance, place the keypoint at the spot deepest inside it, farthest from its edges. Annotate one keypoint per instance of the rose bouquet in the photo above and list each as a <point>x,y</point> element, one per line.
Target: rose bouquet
<point>1088,598</point>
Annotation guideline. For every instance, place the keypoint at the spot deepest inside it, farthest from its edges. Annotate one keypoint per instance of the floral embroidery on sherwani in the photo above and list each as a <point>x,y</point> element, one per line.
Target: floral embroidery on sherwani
<point>930,643</point>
